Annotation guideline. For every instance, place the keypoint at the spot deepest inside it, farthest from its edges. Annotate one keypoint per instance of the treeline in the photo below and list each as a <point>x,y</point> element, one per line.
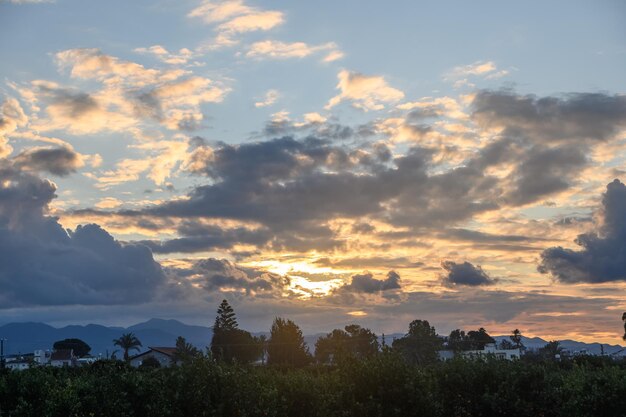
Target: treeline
<point>286,345</point>
<point>378,385</point>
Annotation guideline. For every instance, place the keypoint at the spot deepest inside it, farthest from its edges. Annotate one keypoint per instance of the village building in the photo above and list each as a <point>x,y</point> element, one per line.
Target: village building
<point>490,350</point>
<point>63,357</point>
<point>166,356</point>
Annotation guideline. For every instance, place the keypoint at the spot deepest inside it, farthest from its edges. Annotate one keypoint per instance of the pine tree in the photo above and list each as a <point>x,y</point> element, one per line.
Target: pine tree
<point>230,343</point>
<point>225,319</point>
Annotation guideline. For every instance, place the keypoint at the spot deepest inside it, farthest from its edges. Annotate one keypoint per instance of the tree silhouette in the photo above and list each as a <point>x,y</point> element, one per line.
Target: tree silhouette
<point>79,347</point>
<point>479,338</point>
<point>185,350</point>
<point>551,349</point>
<point>226,319</point>
<point>420,344</point>
<point>624,320</point>
<point>128,341</point>
<point>286,344</point>
<point>229,343</point>
<point>516,338</point>
<point>355,341</point>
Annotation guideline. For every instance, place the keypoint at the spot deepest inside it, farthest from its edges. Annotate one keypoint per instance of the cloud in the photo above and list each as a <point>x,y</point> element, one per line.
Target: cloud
<point>183,56</point>
<point>221,275</point>
<point>108,203</point>
<point>365,92</point>
<point>575,117</point>
<point>270,98</point>
<point>85,266</point>
<point>130,97</point>
<point>234,17</point>
<point>366,283</point>
<point>59,161</point>
<point>477,68</point>
<point>333,56</point>
<point>486,69</point>
<point>603,254</point>
<point>194,236</point>
<point>465,274</point>
<point>282,50</point>
<point>91,63</point>
<point>12,117</point>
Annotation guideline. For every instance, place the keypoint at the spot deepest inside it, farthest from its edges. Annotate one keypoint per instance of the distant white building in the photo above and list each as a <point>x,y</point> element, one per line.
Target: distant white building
<point>18,365</point>
<point>63,357</point>
<point>490,350</point>
<point>42,357</point>
<point>164,355</point>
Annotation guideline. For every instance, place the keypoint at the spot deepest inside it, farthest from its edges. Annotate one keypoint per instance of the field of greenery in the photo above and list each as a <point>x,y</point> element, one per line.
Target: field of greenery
<point>380,385</point>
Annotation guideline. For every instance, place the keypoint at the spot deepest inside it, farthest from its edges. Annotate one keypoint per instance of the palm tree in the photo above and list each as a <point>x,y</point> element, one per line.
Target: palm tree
<point>516,338</point>
<point>128,341</point>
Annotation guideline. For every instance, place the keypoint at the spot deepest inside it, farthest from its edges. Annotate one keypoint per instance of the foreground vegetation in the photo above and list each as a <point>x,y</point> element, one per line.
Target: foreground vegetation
<point>381,385</point>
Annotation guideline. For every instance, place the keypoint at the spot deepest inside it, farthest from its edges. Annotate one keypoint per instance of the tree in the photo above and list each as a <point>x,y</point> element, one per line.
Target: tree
<point>185,350</point>
<point>457,341</point>
<point>624,320</point>
<point>128,341</point>
<point>79,347</point>
<point>226,319</point>
<point>516,338</point>
<point>286,344</point>
<point>551,349</point>
<point>229,343</point>
<point>355,341</point>
<point>479,338</point>
<point>505,344</point>
<point>420,344</point>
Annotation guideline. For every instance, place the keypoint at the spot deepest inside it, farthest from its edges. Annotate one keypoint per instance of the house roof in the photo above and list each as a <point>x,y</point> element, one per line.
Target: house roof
<point>62,355</point>
<point>168,351</point>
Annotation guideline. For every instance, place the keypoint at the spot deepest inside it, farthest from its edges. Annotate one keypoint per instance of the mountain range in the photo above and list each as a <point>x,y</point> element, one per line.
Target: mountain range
<point>27,337</point>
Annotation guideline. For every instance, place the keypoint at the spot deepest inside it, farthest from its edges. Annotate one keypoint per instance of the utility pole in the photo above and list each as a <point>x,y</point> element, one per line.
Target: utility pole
<point>2,353</point>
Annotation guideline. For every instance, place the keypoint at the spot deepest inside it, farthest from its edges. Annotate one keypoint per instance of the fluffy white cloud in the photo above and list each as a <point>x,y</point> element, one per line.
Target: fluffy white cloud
<point>365,92</point>
<point>282,50</point>
<point>270,98</point>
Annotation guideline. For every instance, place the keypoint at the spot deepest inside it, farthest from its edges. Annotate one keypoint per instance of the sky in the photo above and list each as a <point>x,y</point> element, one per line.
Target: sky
<point>330,162</point>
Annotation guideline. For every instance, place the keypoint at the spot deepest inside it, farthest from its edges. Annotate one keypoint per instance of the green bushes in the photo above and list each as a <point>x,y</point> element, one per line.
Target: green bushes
<point>383,385</point>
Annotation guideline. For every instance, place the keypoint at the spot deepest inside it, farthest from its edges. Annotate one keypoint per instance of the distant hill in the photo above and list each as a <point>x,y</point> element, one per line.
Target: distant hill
<point>26,337</point>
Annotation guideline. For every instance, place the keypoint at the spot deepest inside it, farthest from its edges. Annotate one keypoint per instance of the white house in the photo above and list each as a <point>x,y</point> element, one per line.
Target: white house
<point>164,355</point>
<point>63,357</point>
<point>42,357</point>
<point>490,349</point>
<point>18,365</point>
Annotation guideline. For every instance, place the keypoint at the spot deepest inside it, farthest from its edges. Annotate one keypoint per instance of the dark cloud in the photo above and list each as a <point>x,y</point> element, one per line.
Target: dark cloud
<point>603,254</point>
<point>465,274</point>
<point>70,103</point>
<point>576,116</point>
<point>198,237</point>
<point>545,171</point>
<point>59,161</point>
<point>222,275</point>
<point>43,264</point>
<point>295,188</point>
<point>366,283</point>
<point>482,237</point>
